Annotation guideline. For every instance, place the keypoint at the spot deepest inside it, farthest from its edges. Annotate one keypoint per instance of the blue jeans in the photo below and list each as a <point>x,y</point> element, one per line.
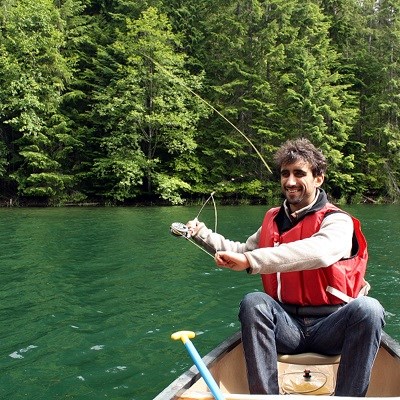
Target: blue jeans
<point>354,331</point>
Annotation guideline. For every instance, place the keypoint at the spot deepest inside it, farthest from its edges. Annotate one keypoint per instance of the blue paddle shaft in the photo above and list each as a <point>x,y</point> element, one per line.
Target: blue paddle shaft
<point>205,373</point>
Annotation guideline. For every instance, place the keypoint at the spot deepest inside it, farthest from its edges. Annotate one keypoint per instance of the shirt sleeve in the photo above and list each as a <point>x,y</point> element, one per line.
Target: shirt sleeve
<point>214,242</point>
<point>330,244</point>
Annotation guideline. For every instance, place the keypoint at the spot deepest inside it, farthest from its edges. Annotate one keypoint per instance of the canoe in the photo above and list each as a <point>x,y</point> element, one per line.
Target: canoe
<point>227,366</point>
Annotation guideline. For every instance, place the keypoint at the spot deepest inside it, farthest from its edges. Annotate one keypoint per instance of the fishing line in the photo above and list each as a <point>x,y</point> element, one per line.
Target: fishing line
<point>186,236</point>
<point>215,210</point>
<point>174,77</point>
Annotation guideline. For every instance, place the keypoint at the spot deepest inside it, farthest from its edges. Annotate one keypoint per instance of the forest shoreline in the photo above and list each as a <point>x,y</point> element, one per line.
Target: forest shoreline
<point>157,202</point>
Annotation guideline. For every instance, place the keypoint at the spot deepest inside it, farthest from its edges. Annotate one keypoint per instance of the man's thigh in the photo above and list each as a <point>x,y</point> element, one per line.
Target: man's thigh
<point>289,332</point>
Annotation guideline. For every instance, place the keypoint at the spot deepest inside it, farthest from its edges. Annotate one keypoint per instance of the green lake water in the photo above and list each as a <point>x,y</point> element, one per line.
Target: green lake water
<point>90,296</point>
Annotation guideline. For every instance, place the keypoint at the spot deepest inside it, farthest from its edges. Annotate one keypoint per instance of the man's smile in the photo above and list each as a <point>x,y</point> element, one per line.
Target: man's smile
<point>294,190</point>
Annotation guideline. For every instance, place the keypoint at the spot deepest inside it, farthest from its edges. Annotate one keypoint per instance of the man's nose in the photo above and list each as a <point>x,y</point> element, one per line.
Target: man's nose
<point>291,180</point>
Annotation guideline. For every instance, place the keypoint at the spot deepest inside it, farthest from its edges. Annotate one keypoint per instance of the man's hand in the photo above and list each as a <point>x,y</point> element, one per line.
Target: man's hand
<point>194,226</point>
<point>231,260</point>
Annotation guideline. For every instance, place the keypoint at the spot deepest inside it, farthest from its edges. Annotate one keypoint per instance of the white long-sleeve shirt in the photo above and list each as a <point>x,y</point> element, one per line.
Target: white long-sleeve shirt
<point>331,243</point>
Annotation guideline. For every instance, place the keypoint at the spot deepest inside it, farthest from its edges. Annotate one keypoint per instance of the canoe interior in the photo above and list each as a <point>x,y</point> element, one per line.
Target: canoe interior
<point>226,363</point>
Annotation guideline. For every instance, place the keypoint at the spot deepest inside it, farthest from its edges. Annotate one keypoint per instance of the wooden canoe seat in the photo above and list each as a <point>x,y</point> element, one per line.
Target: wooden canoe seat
<point>308,359</point>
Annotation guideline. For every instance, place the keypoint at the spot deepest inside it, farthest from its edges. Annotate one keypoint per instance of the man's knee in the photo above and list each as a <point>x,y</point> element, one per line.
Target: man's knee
<point>253,304</point>
<point>369,309</point>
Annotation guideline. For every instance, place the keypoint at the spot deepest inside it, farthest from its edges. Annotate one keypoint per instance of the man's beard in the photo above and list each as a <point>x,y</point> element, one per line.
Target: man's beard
<point>300,194</point>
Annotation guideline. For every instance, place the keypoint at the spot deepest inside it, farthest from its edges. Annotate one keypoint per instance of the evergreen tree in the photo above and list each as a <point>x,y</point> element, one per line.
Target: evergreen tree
<point>367,36</point>
<point>112,100</point>
<point>275,74</point>
<point>315,95</point>
<point>381,104</point>
<point>151,114</point>
<point>82,38</point>
<point>32,76</point>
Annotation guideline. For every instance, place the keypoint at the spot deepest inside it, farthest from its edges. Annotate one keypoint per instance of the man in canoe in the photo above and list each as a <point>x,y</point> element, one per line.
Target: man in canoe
<point>312,258</point>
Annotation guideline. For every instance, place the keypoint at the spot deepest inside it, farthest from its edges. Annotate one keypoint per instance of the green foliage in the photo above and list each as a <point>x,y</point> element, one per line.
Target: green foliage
<point>170,188</point>
<point>119,177</point>
<point>150,114</point>
<point>32,75</point>
<point>108,101</point>
<point>3,159</point>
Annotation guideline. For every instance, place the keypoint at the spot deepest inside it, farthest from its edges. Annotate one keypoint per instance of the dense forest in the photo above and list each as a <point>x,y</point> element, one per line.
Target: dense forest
<point>164,101</point>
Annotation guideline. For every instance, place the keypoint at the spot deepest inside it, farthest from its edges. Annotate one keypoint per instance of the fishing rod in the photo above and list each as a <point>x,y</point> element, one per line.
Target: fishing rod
<point>179,81</point>
<point>179,229</point>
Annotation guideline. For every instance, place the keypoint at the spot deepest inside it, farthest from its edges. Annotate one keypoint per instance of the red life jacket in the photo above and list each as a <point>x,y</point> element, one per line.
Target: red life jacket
<point>309,287</point>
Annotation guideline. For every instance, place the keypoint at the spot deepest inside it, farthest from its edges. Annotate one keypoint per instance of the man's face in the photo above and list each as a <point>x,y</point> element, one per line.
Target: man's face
<point>298,184</point>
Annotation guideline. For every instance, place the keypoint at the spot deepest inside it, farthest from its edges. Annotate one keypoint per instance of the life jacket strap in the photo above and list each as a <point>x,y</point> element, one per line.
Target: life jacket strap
<point>344,297</point>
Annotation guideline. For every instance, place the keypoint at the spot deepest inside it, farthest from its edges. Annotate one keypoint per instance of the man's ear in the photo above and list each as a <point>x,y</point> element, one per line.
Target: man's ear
<point>319,180</point>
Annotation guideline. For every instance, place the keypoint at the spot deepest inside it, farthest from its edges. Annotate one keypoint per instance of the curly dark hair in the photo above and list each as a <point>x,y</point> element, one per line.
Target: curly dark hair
<point>301,149</point>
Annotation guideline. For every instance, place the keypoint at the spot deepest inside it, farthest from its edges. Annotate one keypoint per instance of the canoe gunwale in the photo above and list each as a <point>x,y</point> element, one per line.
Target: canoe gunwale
<point>390,345</point>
